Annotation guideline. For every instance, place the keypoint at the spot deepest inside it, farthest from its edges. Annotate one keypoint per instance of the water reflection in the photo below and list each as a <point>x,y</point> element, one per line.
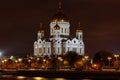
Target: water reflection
<point>10,77</point>
<point>60,79</point>
<point>39,78</point>
<point>21,77</point>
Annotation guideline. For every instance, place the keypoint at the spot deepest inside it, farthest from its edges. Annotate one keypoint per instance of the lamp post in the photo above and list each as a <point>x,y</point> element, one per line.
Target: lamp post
<point>86,60</point>
<point>20,62</point>
<point>60,62</point>
<point>116,56</point>
<point>86,57</point>
<point>83,59</point>
<point>109,59</point>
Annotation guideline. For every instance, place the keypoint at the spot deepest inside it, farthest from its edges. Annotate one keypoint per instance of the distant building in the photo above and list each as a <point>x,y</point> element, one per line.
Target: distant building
<point>59,42</point>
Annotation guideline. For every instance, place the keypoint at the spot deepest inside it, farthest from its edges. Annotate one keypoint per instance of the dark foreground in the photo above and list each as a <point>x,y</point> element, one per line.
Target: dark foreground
<point>111,75</point>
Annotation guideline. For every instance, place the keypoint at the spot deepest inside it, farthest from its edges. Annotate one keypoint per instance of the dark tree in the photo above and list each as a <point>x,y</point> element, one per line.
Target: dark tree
<point>71,57</point>
<point>101,57</point>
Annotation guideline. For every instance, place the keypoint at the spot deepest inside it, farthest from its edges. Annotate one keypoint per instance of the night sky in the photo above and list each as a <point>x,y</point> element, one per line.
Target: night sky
<point>19,22</point>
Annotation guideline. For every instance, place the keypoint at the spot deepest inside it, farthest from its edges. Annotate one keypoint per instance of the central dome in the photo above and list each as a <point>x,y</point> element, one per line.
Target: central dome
<point>60,17</point>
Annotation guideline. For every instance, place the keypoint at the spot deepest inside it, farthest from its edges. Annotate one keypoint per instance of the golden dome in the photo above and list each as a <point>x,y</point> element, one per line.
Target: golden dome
<point>57,27</point>
<point>78,30</point>
<point>60,17</point>
<point>40,31</point>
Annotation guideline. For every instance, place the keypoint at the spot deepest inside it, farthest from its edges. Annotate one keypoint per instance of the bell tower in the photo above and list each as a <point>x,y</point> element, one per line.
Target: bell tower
<point>79,33</point>
<point>40,33</point>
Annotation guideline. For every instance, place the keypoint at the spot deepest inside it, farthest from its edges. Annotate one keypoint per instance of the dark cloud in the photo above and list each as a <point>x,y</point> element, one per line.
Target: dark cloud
<point>19,21</point>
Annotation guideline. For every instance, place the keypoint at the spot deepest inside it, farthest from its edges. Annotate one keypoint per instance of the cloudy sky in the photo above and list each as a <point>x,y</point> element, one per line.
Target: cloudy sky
<point>19,22</point>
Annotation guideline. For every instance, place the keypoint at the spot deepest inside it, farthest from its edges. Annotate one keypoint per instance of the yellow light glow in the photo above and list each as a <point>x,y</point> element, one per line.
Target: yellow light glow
<point>38,59</point>
<point>39,78</point>
<point>19,59</point>
<point>86,57</point>
<point>21,77</point>
<point>16,61</point>
<point>59,79</point>
<point>40,31</point>
<point>5,60</point>
<point>78,30</point>
<point>109,58</point>
<point>29,60</point>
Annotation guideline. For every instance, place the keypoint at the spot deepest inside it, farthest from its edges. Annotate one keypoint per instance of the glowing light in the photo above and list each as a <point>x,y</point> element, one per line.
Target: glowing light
<point>19,59</point>
<point>11,57</point>
<point>116,55</point>
<point>59,79</point>
<point>65,62</point>
<point>60,58</point>
<point>38,59</point>
<point>21,77</point>
<point>86,57</point>
<point>5,60</point>
<point>44,60</point>
<point>39,78</point>
<point>109,58</point>
<point>16,61</point>
<point>29,60</point>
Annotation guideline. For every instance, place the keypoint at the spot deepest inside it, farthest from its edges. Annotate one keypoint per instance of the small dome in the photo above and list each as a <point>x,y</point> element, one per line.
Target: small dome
<point>60,17</point>
<point>78,30</point>
<point>41,31</point>
<point>56,27</point>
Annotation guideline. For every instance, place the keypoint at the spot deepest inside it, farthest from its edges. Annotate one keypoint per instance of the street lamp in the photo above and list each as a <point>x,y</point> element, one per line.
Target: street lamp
<point>60,61</point>
<point>20,62</point>
<point>44,60</point>
<point>86,60</point>
<point>86,57</point>
<point>116,56</point>
<point>109,59</point>
<point>20,59</point>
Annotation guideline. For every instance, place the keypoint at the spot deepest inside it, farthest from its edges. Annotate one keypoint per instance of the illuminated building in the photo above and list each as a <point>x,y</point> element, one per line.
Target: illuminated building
<point>59,42</point>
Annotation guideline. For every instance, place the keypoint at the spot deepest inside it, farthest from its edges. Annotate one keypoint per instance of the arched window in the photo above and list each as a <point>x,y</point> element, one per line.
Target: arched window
<point>48,50</point>
<point>51,30</point>
<point>62,30</point>
<point>44,49</point>
<point>58,50</point>
<point>65,30</point>
<point>68,49</point>
<point>74,41</point>
<point>80,37</point>
<point>80,50</point>
<point>40,50</point>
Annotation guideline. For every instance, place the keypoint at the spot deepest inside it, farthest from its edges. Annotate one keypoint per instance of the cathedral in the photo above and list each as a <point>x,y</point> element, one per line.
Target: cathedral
<point>59,41</point>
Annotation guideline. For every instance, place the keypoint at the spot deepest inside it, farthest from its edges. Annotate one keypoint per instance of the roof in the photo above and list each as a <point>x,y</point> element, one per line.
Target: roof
<point>60,16</point>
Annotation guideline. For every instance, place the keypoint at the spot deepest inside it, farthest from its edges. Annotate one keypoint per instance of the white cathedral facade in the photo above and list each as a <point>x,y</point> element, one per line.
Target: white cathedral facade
<point>59,42</point>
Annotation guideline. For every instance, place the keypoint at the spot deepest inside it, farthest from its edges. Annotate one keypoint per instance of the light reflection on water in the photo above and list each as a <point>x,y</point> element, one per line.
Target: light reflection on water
<point>10,77</point>
<point>42,78</point>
